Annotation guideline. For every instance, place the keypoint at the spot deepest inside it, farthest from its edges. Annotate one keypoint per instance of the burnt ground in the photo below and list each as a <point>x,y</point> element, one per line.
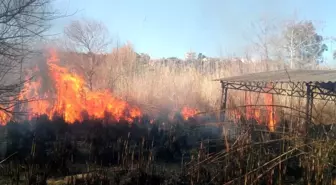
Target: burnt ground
<point>169,152</point>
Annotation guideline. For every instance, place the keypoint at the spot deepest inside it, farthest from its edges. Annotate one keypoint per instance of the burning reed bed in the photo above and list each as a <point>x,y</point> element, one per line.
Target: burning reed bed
<point>165,152</point>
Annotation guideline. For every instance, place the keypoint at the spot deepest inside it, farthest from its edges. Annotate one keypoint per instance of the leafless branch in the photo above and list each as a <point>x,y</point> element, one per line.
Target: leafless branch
<point>22,24</point>
<point>87,40</point>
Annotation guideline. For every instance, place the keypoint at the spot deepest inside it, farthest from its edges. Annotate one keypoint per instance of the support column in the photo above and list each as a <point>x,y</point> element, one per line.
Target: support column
<point>309,107</point>
<point>308,122</point>
<point>223,102</point>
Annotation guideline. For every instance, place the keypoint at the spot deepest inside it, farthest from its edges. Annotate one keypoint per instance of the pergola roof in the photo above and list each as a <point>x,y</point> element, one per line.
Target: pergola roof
<point>322,83</point>
<point>286,76</point>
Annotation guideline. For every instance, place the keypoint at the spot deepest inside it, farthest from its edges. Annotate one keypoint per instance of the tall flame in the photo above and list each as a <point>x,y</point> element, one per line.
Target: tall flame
<point>71,98</point>
<point>252,112</point>
<point>270,111</point>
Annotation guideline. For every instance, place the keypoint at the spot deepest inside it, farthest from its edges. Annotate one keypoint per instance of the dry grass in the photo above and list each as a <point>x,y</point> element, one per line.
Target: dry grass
<point>243,160</point>
<point>168,85</point>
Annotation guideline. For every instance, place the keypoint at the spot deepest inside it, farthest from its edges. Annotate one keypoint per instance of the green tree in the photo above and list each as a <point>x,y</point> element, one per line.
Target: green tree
<point>303,46</point>
<point>200,56</point>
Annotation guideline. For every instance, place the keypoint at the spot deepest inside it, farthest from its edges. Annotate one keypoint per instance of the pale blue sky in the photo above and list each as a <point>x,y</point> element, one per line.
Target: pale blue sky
<point>173,27</point>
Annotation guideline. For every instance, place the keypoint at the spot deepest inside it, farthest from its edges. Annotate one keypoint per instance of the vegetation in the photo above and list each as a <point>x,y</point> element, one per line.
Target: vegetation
<point>168,149</point>
<point>185,152</point>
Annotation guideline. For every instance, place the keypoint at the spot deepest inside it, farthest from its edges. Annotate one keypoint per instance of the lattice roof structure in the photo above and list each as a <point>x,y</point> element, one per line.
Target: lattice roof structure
<point>286,82</point>
<point>287,76</point>
<point>309,84</point>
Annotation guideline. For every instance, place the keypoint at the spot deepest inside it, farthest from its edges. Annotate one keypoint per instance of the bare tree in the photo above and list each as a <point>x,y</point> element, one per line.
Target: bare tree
<point>92,38</point>
<point>265,40</point>
<point>121,63</point>
<point>22,24</point>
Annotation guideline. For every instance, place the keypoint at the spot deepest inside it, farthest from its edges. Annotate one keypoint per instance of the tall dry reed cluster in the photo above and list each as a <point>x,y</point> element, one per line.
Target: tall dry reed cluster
<point>170,84</point>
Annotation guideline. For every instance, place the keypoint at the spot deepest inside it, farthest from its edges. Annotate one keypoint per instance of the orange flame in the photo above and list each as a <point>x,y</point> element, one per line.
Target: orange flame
<point>4,118</point>
<point>71,98</point>
<point>270,112</point>
<point>256,113</point>
<point>188,112</point>
<point>252,112</point>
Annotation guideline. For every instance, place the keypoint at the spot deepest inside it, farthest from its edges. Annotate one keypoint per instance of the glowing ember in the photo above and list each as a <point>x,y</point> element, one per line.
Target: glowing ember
<point>188,112</point>
<point>71,98</point>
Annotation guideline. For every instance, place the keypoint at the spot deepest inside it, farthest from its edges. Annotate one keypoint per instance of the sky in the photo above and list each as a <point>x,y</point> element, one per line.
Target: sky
<point>166,28</point>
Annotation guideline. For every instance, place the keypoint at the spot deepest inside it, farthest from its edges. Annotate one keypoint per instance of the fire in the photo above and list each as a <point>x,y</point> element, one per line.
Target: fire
<point>270,111</point>
<point>71,98</point>
<point>252,112</point>
<point>256,113</point>
<point>4,118</point>
<point>188,112</point>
